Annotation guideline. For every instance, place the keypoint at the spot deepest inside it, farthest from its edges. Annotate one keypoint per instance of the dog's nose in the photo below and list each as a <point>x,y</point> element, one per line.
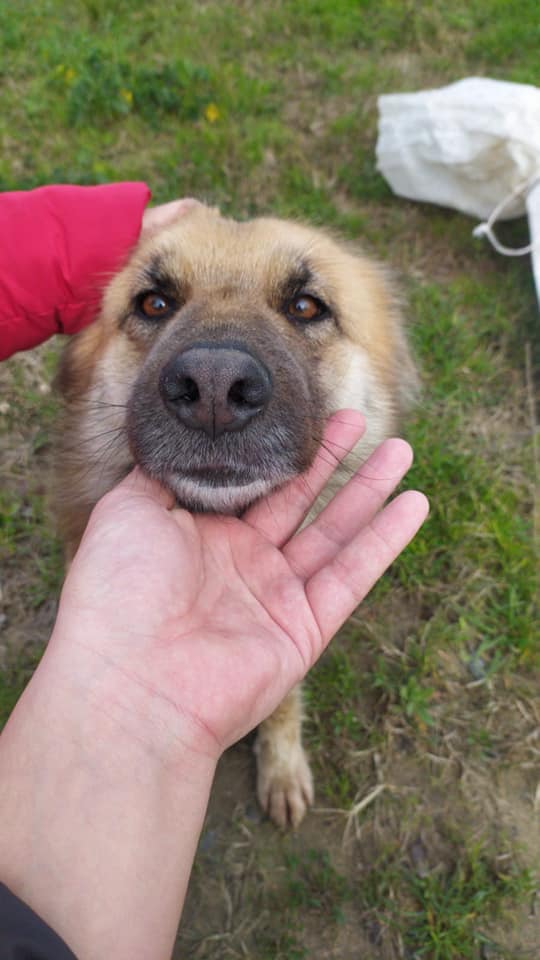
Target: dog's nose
<point>215,389</point>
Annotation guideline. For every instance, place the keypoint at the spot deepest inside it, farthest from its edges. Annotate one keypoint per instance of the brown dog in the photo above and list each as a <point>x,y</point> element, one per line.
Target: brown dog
<point>220,351</point>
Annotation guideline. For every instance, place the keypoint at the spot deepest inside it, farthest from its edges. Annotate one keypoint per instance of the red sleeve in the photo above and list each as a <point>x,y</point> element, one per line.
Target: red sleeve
<point>59,246</point>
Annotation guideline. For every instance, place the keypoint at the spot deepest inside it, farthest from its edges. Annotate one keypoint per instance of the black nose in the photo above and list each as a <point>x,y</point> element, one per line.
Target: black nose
<point>215,389</point>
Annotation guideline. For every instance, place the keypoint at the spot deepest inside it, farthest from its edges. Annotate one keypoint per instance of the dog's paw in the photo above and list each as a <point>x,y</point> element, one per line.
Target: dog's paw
<point>284,785</point>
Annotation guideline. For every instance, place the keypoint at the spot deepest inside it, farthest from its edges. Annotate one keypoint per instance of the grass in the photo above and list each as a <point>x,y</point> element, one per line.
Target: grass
<point>430,694</point>
<point>444,923</point>
<point>14,677</point>
<point>446,908</point>
<point>315,884</point>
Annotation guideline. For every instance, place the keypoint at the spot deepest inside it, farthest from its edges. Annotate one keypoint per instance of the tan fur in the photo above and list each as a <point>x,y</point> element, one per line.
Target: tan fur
<point>230,280</point>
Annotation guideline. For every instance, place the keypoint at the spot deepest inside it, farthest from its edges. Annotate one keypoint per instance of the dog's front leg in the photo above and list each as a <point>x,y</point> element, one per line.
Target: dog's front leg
<point>284,781</point>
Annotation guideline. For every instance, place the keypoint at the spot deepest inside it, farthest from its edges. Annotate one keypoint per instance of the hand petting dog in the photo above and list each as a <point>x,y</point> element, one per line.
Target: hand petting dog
<point>176,634</point>
<point>220,351</point>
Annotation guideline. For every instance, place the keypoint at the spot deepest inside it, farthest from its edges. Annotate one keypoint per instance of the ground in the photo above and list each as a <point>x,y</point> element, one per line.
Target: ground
<point>423,716</point>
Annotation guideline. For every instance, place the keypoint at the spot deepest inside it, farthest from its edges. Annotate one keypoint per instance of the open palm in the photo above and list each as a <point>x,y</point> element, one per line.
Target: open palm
<point>206,622</point>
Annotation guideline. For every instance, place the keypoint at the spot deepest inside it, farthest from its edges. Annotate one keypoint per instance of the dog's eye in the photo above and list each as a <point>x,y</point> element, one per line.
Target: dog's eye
<point>154,305</point>
<point>306,308</point>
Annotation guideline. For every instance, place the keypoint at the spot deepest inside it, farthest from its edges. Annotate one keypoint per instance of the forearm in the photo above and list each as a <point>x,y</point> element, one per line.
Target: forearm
<point>60,246</point>
<point>99,829</point>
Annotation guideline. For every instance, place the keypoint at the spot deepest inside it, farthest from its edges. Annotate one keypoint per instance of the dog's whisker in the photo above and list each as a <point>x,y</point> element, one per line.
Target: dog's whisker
<point>98,404</point>
<point>311,492</point>
<point>334,457</point>
<point>84,441</point>
<point>344,468</point>
<point>100,455</point>
<point>104,454</point>
<point>328,444</point>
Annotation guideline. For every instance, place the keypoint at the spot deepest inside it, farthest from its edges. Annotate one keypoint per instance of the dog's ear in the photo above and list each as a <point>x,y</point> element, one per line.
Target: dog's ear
<point>78,361</point>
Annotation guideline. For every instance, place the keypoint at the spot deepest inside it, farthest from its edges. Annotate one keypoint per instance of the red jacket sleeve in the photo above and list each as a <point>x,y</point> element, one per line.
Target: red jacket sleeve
<point>59,245</point>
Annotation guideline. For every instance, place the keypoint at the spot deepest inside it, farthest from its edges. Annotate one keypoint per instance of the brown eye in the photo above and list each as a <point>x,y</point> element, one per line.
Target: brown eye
<point>306,308</point>
<point>154,305</point>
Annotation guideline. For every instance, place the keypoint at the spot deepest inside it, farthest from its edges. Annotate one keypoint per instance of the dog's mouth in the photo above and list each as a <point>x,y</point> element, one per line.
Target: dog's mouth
<point>208,477</point>
<point>221,428</point>
<point>210,490</point>
<point>226,476</point>
<point>215,475</point>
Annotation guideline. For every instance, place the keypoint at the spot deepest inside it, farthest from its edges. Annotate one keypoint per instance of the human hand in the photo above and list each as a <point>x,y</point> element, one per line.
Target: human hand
<point>203,623</point>
<point>175,635</point>
<point>155,218</point>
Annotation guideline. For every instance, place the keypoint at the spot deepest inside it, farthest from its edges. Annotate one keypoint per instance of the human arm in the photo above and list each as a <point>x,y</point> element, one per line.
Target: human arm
<point>176,635</point>
<point>59,246</point>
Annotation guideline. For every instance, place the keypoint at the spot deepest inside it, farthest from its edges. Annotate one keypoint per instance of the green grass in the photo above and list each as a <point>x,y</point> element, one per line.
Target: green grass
<point>314,884</point>
<point>334,725</point>
<point>313,889</point>
<point>19,519</point>
<point>119,75</point>
<point>14,677</point>
<point>479,536</point>
<point>272,108</point>
<point>444,922</point>
<point>449,912</point>
<point>30,417</point>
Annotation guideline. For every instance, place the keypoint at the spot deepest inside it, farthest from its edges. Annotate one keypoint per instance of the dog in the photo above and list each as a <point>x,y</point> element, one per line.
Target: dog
<point>220,351</point>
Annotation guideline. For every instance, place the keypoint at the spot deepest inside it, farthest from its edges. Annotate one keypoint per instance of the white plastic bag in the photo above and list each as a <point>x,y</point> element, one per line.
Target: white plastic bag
<point>464,146</point>
<point>533,213</point>
<point>473,146</point>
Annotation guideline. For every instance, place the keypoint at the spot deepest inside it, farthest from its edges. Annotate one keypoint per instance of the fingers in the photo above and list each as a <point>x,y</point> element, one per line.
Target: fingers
<point>350,509</point>
<point>337,588</point>
<point>138,484</point>
<point>280,514</point>
<point>154,218</point>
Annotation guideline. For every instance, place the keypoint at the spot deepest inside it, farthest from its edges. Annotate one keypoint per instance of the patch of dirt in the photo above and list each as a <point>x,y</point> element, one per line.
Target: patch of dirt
<point>517,793</point>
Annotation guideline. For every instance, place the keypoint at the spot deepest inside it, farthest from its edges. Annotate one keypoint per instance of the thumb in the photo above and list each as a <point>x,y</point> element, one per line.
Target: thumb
<point>139,485</point>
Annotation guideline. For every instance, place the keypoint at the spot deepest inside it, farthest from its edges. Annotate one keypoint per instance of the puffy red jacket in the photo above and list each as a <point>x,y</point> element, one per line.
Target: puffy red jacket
<point>58,247</point>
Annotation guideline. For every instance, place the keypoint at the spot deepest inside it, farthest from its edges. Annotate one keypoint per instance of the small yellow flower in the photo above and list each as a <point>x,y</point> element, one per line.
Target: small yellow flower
<point>69,75</point>
<point>127,96</point>
<point>211,113</point>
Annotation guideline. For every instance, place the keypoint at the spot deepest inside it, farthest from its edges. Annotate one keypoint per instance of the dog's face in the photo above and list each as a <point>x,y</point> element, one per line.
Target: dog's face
<point>221,349</point>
